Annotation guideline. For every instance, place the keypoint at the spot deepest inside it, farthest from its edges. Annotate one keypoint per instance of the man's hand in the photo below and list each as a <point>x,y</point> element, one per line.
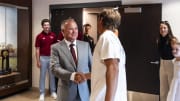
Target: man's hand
<point>79,77</point>
<point>38,64</point>
<point>88,76</point>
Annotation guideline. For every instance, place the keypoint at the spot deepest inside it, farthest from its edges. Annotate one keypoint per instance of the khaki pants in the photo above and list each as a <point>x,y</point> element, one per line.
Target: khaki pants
<point>166,76</point>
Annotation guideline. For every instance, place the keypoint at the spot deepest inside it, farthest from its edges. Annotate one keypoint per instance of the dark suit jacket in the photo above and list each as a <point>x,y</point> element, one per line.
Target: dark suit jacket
<point>90,40</point>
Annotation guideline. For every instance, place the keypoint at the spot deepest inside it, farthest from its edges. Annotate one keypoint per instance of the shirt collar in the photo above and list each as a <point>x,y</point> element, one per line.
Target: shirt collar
<point>68,42</point>
<point>46,33</point>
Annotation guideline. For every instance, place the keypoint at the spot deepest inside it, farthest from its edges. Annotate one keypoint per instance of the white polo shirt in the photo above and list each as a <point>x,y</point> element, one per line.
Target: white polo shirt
<point>108,46</point>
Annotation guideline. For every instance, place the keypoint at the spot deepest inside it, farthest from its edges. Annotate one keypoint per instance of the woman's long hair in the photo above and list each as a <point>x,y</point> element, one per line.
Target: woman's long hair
<point>169,34</point>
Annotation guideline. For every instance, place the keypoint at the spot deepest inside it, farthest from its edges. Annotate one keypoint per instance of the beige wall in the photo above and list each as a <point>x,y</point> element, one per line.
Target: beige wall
<point>40,10</point>
<point>171,9</point>
<point>140,1</point>
<point>90,18</point>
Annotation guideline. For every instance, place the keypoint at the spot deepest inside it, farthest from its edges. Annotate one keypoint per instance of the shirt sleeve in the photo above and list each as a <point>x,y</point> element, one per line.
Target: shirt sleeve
<point>109,48</point>
<point>72,76</point>
<point>37,42</point>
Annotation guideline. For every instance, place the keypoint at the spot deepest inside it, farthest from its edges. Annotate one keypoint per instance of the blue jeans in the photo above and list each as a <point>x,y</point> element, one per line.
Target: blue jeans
<point>45,65</point>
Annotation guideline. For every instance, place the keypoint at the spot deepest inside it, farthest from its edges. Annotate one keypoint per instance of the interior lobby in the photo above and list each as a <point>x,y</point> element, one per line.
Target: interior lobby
<point>20,21</point>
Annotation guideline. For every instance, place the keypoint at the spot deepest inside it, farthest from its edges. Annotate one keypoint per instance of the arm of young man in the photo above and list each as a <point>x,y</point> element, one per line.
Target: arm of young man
<point>111,78</point>
<point>38,57</point>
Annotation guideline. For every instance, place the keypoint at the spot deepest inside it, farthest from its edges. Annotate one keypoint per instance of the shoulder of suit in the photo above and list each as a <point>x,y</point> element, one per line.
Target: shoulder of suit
<point>57,43</point>
<point>81,42</point>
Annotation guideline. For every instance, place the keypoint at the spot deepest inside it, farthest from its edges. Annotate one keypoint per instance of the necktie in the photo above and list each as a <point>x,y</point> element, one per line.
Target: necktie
<point>73,53</point>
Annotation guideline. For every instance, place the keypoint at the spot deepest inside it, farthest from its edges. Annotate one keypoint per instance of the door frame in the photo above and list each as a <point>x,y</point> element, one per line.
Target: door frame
<point>87,5</point>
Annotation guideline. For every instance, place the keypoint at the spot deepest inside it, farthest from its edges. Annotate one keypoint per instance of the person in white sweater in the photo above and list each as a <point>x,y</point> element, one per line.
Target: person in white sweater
<point>174,92</point>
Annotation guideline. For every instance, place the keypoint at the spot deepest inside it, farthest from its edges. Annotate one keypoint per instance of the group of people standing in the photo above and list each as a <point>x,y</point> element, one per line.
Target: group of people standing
<point>169,49</point>
<point>72,62</point>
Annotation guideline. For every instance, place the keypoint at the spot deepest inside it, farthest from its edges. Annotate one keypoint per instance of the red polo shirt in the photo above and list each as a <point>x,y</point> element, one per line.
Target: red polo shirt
<point>44,41</point>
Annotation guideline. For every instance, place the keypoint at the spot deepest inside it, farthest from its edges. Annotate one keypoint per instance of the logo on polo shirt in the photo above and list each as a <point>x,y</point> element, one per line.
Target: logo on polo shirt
<point>43,38</point>
<point>51,37</point>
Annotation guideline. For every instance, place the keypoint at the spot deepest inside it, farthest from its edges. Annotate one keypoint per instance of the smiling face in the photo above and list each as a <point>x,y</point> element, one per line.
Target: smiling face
<point>174,45</point>
<point>163,30</point>
<point>87,29</point>
<point>70,30</point>
<point>46,27</point>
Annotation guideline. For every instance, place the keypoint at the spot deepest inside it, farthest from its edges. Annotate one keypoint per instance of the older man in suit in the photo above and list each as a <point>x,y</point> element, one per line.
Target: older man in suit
<point>71,62</point>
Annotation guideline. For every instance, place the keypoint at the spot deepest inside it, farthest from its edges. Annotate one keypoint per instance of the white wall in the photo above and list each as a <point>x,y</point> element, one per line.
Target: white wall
<point>40,10</point>
<point>171,13</point>
<point>124,2</point>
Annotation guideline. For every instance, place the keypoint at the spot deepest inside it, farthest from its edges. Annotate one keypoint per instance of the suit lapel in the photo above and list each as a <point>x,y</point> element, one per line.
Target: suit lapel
<point>79,50</point>
<point>67,53</point>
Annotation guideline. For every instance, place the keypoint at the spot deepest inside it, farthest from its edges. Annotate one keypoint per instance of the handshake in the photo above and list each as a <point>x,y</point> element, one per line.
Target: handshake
<point>81,77</point>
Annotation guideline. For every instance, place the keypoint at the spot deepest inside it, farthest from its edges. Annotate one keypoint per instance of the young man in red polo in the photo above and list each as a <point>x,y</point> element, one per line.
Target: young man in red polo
<point>44,40</point>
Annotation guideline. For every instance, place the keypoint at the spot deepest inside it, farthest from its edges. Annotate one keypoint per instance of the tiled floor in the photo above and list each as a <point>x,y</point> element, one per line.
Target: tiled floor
<point>137,96</point>
<point>33,95</point>
<point>29,95</point>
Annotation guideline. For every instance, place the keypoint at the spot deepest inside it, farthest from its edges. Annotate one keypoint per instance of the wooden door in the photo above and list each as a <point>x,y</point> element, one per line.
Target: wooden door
<point>139,31</point>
